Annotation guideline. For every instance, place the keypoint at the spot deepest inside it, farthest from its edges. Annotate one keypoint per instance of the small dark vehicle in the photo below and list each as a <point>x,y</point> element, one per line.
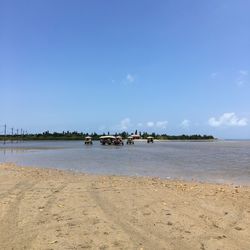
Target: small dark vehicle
<point>130,140</point>
<point>107,139</point>
<point>111,140</point>
<point>150,139</point>
<point>118,141</point>
<point>88,140</point>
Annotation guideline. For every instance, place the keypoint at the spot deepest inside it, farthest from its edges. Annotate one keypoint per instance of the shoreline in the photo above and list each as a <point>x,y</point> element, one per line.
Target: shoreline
<point>173,179</point>
<point>55,209</point>
<point>135,177</point>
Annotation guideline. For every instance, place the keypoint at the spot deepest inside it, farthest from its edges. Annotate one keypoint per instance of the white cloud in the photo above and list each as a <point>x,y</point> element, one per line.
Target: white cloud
<point>125,124</point>
<point>242,78</point>
<point>102,128</point>
<point>243,72</point>
<point>158,124</point>
<point>240,83</point>
<point>161,124</point>
<point>227,119</point>
<point>150,124</point>
<point>214,75</point>
<point>130,78</point>
<point>185,123</point>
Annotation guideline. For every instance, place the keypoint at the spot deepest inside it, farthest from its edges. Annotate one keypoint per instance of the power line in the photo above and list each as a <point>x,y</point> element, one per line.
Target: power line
<point>9,133</point>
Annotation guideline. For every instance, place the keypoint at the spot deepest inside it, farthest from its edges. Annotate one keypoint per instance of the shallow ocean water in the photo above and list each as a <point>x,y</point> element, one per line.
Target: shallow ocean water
<point>216,161</point>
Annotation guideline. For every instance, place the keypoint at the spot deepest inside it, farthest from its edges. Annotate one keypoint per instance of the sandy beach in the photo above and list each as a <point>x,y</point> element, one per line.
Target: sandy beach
<point>52,209</point>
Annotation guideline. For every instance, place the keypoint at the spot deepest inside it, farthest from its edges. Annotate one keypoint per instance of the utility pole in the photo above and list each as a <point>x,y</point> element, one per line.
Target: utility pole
<point>4,140</point>
<point>17,135</point>
<point>12,130</point>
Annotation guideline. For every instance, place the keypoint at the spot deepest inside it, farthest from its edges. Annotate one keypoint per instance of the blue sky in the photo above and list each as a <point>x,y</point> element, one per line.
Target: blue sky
<point>166,66</point>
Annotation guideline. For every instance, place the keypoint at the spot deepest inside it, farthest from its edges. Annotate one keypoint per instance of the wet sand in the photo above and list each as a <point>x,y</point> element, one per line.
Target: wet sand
<point>52,209</point>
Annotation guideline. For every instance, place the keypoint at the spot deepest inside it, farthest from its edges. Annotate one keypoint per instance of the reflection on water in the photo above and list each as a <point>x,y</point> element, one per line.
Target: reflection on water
<point>219,161</point>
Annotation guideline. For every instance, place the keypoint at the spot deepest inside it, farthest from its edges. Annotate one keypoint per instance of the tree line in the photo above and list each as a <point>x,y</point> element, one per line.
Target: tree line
<point>67,135</point>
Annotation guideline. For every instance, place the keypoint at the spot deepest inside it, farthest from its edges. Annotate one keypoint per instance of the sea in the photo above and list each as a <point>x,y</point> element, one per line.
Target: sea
<point>220,161</point>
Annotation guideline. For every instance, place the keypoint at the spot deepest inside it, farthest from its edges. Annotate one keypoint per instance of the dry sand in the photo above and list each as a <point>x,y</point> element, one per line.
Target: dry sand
<point>52,209</point>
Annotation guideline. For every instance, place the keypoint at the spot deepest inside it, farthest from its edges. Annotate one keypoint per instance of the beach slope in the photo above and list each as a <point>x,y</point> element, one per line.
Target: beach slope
<point>52,209</point>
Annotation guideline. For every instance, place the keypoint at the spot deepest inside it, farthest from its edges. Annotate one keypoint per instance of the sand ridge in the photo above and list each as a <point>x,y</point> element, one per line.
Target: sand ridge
<point>53,209</point>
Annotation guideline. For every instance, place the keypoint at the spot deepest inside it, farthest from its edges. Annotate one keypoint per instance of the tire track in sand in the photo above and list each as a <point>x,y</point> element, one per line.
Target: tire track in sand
<point>137,235</point>
<point>21,237</point>
<point>9,230</point>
